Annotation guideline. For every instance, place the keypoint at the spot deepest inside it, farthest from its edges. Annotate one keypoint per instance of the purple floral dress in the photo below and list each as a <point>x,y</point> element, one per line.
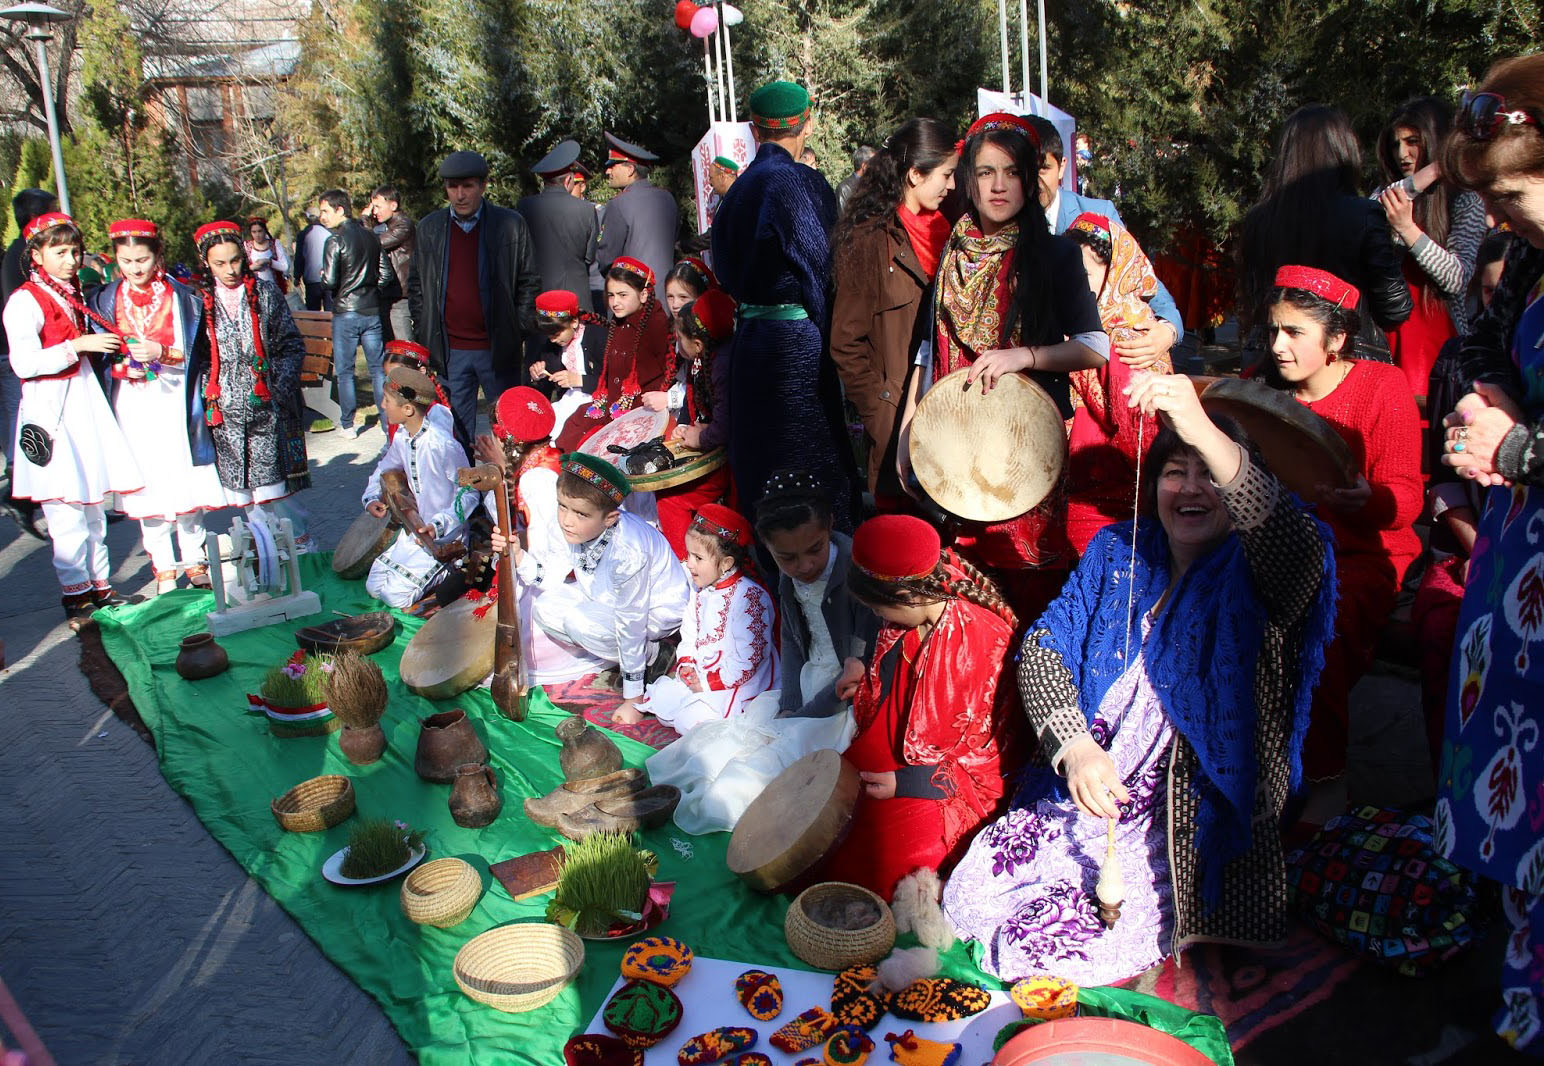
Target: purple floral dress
<point>1025,889</point>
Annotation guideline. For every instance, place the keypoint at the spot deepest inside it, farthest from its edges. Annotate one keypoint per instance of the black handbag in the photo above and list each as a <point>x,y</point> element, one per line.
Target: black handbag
<point>37,443</point>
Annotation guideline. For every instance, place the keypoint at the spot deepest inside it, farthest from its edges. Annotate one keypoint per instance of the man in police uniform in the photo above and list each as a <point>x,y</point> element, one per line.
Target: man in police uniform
<point>641,221</point>
<point>565,230</point>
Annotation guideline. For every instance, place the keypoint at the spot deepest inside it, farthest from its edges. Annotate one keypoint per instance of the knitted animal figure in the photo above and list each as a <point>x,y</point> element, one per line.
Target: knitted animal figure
<point>855,999</point>
<point>804,1032</point>
<point>909,1049</point>
<point>939,999</point>
<point>848,1046</point>
<point>716,1044</point>
<point>592,1049</point>
<point>760,993</point>
<point>661,959</point>
<point>642,1013</point>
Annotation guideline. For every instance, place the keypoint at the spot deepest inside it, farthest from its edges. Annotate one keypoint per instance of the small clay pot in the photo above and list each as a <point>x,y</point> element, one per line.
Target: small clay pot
<point>445,741</point>
<point>201,657</point>
<point>587,752</point>
<point>362,746</point>
<point>474,798</point>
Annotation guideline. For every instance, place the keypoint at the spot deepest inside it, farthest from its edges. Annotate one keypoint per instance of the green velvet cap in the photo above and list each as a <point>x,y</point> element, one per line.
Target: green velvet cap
<point>598,472</point>
<point>727,163</point>
<point>779,105</point>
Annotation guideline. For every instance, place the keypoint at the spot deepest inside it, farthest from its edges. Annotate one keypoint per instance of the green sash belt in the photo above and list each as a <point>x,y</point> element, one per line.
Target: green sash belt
<point>773,312</point>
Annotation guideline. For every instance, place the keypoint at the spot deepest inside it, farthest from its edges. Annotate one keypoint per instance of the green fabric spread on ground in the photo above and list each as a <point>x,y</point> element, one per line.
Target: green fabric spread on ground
<point>222,758</point>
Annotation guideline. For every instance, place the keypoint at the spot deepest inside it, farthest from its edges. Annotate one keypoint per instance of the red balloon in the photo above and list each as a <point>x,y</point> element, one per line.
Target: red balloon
<point>684,10</point>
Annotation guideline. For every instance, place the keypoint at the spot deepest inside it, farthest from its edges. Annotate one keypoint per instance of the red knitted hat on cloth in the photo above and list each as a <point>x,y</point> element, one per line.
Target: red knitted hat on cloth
<point>1319,282</point>
<point>894,547</point>
<point>524,414</point>
<point>719,521</point>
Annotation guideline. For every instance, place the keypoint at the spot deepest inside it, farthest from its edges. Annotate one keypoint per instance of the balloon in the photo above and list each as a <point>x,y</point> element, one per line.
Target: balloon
<point>684,12</point>
<point>704,22</point>
<point>733,16</point>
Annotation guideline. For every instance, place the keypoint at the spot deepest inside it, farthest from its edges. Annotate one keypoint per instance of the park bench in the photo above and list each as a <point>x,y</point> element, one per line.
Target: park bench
<point>318,382</point>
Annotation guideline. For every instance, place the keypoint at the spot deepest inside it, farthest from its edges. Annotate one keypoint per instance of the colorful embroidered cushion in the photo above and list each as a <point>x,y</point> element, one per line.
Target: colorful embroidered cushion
<point>716,1044</point>
<point>661,959</point>
<point>592,1049</point>
<point>804,1032</point>
<point>1371,881</point>
<point>760,993</point>
<point>938,999</point>
<point>856,999</point>
<point>642,1013</point>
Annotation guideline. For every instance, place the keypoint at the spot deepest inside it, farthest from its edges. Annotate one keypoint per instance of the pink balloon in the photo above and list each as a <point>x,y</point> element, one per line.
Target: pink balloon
<point>704,22</point>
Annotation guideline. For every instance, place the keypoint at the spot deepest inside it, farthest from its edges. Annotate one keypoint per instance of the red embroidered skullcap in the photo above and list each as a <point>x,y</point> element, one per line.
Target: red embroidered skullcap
<point>1319,282</point>
<point>523,414</point>
<point>210,229</point>
<point>633,266</point>
<point>1091,223</point>
<point>719,521</point>
<point>47,220</point>
<point>894,547</point>
<point>557,303</point>
<point>713,315</point>
<point>134,227</point>
<point>419,353</point>
<point>1001,120</point>
<point>700,265</point>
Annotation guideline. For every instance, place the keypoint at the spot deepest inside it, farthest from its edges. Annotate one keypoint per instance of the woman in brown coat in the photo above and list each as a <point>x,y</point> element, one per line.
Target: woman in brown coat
<point>885,251</point>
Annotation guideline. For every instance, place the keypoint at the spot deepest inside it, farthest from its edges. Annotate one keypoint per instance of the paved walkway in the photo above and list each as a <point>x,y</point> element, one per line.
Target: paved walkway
<point>128,935</point>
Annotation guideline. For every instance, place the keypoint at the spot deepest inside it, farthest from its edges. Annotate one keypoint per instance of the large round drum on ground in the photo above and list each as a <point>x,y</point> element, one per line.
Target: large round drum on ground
<point>365,538</point>
<point>795,823</point>
<point>991,457</point>
<point>452,652</point>
<point>639,426</point>
<point>1301,448</point>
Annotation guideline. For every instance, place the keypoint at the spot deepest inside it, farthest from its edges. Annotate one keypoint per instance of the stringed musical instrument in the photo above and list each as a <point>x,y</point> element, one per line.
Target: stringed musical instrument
<point>403,507</point>
<point>508,688</point>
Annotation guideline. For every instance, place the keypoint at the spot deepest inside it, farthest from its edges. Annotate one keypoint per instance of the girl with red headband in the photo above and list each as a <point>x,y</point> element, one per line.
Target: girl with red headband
<point>252,393</point>
<point>728,651</point>
<point>70,452</point>
<point>1313,320</point>
<point>159,400</point>
<point>572,353</point>
<point>936,709</point>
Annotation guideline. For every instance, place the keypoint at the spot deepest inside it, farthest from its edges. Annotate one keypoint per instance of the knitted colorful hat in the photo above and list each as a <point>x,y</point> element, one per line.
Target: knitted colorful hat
<point>210,229</point>
<point>999,121</point>
<point>627,264</point>
<point>414,386</point>
<point>1319,282</point>
<point>750,1058</point>
<point>856,998</point>
<point>938,999</point>
<point>661,959</point>
<point>47,220</point>
<point>779,105</point>
<point>848,1046</point>
<point>727,163</point>
<point>716,1044</point>
<point>599,473</point>
<point>416,351</point>
<point>134,227</point>
<point>642,1013</point>
<point>1045,998</point>
<point>818,1060</point>
<point>716,520</point>
<point>895,547</point>
<point>557,305</point>
<point>711,316</point>
<point>759,992</point>
<point>909,1049</point>
<point>523,414</point>
<point>804,1032</point>
<point>596,1049</point>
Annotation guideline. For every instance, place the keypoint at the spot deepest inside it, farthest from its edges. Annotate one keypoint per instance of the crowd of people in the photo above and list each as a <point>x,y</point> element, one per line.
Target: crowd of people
<point>1154,660</point>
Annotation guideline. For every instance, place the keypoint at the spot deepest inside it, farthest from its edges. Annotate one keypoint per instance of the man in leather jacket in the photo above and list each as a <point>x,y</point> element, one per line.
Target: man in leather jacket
<point>351,269</point>
<point>472,290</point>
<point>398,233</point>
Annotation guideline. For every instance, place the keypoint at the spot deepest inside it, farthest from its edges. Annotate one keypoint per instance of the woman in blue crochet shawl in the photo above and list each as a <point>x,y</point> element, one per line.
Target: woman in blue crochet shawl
<point>1169,689</point>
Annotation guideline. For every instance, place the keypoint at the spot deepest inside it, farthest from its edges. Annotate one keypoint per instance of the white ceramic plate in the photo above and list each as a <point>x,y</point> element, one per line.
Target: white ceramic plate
<point>332,868</point>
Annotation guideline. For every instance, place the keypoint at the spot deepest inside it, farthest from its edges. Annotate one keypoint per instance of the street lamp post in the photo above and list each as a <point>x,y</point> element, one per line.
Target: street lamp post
<point>38,18</point>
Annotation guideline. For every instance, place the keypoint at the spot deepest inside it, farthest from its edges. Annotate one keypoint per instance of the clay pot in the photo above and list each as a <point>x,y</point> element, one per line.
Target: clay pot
<point>474,798</point>
<point>201,657</point>
<point>362,746</point>
<point>445,741</point>
<point>587,752</point>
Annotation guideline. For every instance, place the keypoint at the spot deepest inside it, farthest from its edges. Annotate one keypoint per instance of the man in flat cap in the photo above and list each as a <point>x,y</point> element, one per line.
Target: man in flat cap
<point>771,247</point>
<point>564,229</point>
<point>472,289</point>
<point>642,219</point>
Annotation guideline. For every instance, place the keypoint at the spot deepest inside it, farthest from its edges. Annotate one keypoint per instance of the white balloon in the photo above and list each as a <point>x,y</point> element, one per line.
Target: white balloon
<point>732,15</point>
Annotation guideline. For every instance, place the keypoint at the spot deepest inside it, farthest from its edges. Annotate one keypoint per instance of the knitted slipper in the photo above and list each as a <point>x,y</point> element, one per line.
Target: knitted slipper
<point>750,1058</point>
<point>1045,998</point>
<point>593,1049</point>
<point>811,1062</point>
<point>853,1002</point>
<point>804,1032</point>
<point>909,1049</point>
<point>760,993</point>
<point>716,1044</point>
<point>642,1013</point>
<point>938,999</point>
<point>848,1046</point>
<point>660,959</point>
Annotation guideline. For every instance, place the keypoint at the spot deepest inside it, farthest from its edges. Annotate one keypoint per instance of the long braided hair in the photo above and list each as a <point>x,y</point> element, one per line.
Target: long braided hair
<point>939,584</point>
<point>261,396</point>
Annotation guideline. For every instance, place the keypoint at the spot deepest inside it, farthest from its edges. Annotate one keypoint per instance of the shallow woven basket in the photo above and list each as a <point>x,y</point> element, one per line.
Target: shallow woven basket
<point>836,949</point>
<point>316,804</point>
<point>518,967</point>
<point>441,893</point>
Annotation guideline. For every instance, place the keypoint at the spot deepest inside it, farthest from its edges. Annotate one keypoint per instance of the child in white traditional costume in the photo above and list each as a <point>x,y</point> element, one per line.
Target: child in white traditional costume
<point>607,586</point>
<point>416,357</point>
<point>728,654</point>
<point>429,458</point>
<point>70,452</point>
<point>157,393</point>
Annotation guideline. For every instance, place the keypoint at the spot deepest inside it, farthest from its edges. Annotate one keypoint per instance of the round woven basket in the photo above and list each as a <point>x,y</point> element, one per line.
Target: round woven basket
<point>826,948</point>
<point>518,967</point>
<point>441,893</point>
<point>315,804</point>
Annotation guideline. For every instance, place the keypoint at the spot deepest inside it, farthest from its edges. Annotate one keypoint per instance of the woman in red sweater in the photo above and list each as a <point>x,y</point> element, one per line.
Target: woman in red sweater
<point>1312,325</point>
